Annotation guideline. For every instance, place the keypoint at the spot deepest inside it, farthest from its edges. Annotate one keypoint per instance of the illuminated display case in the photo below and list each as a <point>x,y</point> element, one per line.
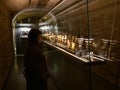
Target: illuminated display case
<point>91,32</point>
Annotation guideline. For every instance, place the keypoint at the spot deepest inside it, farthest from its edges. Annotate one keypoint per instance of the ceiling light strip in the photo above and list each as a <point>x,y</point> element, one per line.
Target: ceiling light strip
<point>56,6</point>
<point>82,3</point>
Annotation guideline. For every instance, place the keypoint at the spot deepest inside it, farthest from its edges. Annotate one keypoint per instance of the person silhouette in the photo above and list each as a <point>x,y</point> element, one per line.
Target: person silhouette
<point>36,71</point>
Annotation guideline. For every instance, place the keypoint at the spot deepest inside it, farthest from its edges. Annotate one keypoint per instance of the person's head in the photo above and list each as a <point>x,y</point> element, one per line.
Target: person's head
<point>35,35</point>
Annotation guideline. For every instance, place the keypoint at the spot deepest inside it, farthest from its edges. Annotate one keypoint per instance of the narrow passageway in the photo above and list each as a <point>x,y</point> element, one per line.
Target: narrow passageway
<point>15,79</point>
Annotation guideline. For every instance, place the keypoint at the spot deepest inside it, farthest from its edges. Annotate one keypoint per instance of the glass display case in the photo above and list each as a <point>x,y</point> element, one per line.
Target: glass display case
<point>90,31</point>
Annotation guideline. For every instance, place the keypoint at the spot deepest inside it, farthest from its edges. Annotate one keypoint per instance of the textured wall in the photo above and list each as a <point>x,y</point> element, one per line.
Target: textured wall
<point>6,43</point>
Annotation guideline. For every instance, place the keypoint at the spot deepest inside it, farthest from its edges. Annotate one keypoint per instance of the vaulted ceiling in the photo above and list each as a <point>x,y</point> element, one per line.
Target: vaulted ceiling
<point>32,10</point>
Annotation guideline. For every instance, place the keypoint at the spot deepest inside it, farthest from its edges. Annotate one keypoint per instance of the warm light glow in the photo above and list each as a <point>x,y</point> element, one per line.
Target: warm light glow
<point>68,43</point>
<point>84,59</point>
<point>73,46</point>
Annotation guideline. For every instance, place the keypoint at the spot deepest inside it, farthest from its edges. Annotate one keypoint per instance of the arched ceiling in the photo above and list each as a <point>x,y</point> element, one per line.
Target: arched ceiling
<point>31,10</point>
<point>40,10</point>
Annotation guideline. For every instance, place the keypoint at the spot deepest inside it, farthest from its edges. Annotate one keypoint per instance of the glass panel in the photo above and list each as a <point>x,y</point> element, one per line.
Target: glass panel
<point>89,29</point>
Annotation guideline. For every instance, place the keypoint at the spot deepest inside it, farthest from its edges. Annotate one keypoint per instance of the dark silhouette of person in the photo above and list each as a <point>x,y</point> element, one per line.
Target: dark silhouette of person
<point>35,72</point>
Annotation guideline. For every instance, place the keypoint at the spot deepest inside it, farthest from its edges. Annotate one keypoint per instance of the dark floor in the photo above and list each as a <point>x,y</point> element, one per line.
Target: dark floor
<point>66,73</point>
<point>16,80</point>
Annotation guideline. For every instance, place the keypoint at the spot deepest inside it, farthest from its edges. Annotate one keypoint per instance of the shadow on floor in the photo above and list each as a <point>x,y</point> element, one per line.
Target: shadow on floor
<point>15,79</point>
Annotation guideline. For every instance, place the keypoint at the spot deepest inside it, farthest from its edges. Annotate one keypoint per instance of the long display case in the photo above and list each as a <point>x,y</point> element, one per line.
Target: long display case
<point>89,32</point>
<point>86,59</point>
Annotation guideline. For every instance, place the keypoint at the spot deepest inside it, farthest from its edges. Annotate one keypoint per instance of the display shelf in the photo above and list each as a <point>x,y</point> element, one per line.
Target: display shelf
<point>86,59</point>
